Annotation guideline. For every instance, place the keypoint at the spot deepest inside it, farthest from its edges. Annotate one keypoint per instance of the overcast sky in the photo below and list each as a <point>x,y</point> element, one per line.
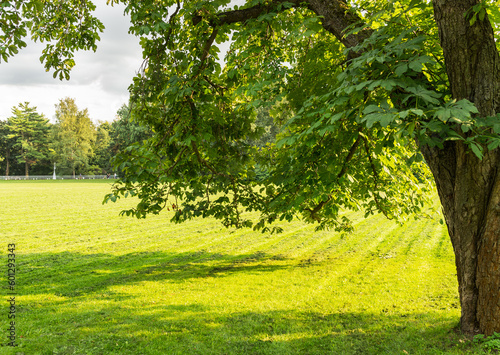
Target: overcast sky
<point>98,82</point>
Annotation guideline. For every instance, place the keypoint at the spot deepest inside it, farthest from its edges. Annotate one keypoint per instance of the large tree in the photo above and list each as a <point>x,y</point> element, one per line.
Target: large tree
<point>73,137</point>
<point>101,160</point>
<point>28,131</point>
<point>370,87</point>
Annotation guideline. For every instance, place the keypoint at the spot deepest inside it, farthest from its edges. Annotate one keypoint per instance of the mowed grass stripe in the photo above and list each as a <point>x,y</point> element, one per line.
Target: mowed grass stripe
<point>91,282</point>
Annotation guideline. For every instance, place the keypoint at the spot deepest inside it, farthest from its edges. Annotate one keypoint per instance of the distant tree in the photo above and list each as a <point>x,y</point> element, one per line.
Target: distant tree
<point>29,133</point>
<point>126,131</point>
<point>266,127</point>
<point>5,146</point>
<point>2,138</point>
<point>73,137</point>
<point>101,160</point>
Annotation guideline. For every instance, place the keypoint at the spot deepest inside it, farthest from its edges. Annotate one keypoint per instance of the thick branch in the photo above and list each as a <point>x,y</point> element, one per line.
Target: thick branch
<point>206,48</point>
<point>336,17</point>
<point>349,157</point>
<point>243,15</point>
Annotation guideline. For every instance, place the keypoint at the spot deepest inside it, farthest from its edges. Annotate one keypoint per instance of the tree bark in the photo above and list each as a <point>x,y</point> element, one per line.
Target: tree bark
<point>336,17</point>
<point>469,190</point>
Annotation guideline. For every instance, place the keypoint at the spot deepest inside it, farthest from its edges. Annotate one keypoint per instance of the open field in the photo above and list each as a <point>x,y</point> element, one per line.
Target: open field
<point>91,282</point>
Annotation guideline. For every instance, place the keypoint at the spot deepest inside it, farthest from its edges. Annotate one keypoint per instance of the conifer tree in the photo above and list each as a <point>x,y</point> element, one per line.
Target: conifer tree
<point>29,132</point>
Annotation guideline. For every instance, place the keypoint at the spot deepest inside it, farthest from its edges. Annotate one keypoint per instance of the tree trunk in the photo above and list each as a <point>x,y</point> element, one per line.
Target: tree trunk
<point>7,158</point>
<point>469,189</point>
<point>26,168</point>
<point>488,269</point>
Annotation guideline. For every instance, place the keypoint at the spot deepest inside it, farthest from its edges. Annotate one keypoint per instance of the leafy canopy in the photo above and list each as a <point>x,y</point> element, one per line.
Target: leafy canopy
<point>354,117</point>
<point>73,136</point>
<point>66,26</point>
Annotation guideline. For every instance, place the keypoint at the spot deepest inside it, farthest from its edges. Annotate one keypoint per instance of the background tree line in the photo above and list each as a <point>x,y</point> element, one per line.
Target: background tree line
<point>31,144</point>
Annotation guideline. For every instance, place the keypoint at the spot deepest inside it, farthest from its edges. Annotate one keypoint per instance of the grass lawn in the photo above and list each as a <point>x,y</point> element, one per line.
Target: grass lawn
<point>91,282</point>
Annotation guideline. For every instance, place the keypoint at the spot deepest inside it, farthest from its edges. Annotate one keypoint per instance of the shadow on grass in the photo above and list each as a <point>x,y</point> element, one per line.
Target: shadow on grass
<point>194,329</point>
<point>72,274</point>
<point>66,324</point>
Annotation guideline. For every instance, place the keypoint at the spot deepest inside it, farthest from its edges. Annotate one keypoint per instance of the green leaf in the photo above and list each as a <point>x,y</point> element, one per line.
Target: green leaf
<point>386,119</point>
<point>371,108</point>
<point>39,6</point>
<point>388,84</point>
<point>383,118</point>
<point>401,69</point>
<point>426,95</point>
<point>411,128</point>
<point>477,150</point>
<point>417,112</point>
<point>443,114</point>
<point>482,14</point>
<point>404,114</point>
<point>416,66</point>
<point>494,144</point>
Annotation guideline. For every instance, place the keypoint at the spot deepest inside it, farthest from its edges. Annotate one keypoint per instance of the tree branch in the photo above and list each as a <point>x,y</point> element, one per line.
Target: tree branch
<point>375,179</point>
<point>206,48</point>
<point>243,15</point>
<point>320,205</point>
<point>336,17</point>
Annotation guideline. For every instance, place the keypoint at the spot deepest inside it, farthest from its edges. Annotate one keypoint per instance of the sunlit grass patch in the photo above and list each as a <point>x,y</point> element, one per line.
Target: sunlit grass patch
<point>91,282</point>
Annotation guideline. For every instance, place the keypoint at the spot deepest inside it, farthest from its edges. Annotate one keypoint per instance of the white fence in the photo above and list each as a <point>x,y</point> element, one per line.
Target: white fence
<point>59,177</point>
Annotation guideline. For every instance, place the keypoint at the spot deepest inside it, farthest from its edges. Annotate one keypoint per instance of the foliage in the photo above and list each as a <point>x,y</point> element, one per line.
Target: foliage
<point>268,121</point>
<point>4,141</point>
<point>349,138</point>
<point>66,26</point>
<point>28,131</point>
<point>125,130</point>
<point>74,142</point>
<point>491,343</point>
<point>350,117</point>
<point>74,137</point>
<point>336,148</point>
<point>101,159</point>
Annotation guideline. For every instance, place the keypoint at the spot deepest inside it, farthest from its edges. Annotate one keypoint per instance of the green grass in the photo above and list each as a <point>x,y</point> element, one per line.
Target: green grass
<point>91,282</point>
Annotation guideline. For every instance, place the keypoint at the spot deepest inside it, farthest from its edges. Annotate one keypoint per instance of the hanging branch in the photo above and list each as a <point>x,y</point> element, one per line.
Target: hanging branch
<point>342,172</point>
<point>375,179</point>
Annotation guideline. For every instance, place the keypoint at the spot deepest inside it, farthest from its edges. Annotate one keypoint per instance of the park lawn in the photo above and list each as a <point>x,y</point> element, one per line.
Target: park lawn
<point>92,282</point>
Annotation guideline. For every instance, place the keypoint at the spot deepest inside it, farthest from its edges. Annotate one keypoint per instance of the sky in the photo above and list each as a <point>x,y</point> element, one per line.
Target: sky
<point>98,82</point>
